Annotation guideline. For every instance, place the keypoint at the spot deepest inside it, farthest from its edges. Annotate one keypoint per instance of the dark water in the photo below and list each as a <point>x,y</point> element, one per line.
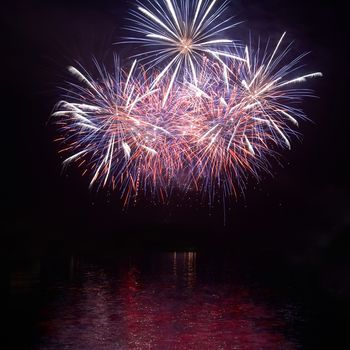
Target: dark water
<point>175,300</point>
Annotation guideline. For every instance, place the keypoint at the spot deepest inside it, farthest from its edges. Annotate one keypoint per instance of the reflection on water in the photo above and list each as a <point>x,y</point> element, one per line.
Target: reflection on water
<point>163,301</point>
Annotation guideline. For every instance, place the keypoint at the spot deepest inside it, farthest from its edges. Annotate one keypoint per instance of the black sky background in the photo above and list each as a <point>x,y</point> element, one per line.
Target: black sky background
<point>294,223</point>
<point>300,210</point>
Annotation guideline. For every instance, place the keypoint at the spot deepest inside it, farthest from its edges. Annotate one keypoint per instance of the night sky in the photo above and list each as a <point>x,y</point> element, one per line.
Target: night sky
<point>300,212</point>
<point>296,220</point>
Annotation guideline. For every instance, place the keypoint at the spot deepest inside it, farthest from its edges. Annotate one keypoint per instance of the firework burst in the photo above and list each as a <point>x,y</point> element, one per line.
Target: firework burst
<point>248,109</point>
<point>149,130</point>
<point>118,130</point>
<point>176,34</point>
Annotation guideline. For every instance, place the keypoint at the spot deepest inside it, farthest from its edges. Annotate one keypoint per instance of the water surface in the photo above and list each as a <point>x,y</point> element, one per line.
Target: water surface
<point>176,300</point>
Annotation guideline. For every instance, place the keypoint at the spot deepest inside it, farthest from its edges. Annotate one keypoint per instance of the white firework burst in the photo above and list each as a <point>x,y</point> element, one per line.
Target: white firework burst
<point>177,33</point>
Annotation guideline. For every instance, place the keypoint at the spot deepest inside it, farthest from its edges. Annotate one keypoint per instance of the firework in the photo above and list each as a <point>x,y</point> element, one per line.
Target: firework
<point>248,109</point>
<point>119,131</point>
<point>149,129</point>
<point>176,34</point>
